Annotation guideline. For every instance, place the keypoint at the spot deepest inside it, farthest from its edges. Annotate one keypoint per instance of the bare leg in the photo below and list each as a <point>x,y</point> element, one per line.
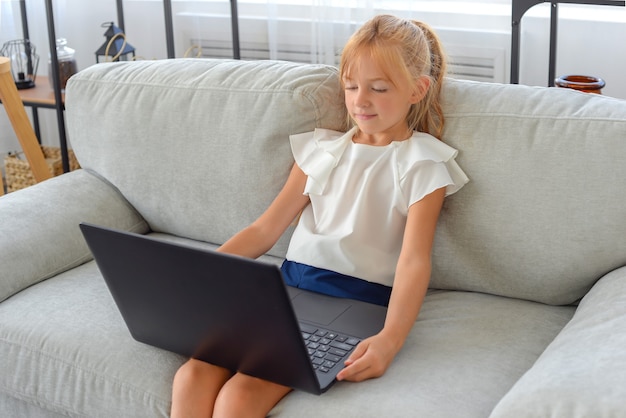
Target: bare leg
<point>195,389</point>
<point>249,397</point>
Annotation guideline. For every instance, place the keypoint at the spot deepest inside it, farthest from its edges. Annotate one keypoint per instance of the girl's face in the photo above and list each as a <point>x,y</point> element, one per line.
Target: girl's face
<point>378,106</point>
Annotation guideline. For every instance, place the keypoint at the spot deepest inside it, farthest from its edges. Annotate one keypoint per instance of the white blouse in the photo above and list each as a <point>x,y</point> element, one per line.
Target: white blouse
<point>360,196</point>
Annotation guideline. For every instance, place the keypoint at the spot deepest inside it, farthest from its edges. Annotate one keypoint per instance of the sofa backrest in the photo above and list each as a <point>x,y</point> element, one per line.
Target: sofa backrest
<point>544,214</point>
<point>199,147</point>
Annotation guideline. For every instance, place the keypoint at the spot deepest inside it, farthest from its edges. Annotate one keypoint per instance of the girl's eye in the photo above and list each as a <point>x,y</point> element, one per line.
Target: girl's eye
<point>379,90</point>
<point>350,88</point>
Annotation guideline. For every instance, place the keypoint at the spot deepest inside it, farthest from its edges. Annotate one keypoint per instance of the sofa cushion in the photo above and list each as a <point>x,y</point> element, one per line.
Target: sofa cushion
<point>64,349</point>
<point>202,155</point>
<point>463,354</point>
<point>581,373</point>
<point>48,240</point>
<point>83,362</point>
<point>544,215</point>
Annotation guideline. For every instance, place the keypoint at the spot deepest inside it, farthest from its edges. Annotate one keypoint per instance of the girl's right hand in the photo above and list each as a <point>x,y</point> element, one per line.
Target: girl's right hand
<point>370,359</point>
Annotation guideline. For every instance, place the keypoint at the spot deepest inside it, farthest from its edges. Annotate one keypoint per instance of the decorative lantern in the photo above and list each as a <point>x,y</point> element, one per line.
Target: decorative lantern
<point>24,62</point>
<point>115,47</point>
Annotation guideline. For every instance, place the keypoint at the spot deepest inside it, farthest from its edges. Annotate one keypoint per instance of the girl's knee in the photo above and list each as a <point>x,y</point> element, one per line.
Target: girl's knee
<point>245,396</point>
<point>196,372</point>
<point>195,388</point>
<point>188,372</point>
<point>233,401</point>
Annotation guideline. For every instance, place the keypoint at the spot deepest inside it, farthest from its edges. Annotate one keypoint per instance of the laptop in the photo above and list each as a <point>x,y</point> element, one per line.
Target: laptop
<point>230,311</point>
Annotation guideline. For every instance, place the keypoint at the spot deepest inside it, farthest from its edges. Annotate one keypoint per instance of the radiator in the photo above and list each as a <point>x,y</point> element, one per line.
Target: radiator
<point>472,55</point>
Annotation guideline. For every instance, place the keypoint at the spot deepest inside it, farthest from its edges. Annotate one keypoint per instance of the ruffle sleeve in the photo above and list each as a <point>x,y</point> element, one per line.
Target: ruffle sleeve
<point>317,153</point>
<point>423,151</point>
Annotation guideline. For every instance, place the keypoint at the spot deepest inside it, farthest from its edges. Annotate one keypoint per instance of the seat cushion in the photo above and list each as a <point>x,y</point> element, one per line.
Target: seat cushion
<point>463,354</point>
<point>64,349</point>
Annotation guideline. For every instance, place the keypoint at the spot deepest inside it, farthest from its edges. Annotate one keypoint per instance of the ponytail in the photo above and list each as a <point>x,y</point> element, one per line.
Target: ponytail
<point>427,115</point>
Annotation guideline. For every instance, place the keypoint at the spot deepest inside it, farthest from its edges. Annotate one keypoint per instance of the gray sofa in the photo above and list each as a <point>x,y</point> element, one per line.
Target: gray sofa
<point>527,312</point>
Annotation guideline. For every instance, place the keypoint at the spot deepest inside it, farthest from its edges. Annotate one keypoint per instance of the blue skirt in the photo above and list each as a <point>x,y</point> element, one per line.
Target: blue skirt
<point>334,284</point>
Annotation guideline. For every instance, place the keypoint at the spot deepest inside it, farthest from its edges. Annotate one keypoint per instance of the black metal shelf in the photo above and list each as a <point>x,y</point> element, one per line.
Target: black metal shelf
<point>519,8</point>
<point>54,77</point>
<point>54,67</point>
<point>169,27</point>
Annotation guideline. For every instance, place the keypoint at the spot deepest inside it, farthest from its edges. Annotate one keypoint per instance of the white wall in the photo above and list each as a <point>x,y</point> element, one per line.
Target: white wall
<point>591,39</point>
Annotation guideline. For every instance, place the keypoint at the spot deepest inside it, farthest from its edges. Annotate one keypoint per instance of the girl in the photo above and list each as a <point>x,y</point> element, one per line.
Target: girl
<point>369,201</point>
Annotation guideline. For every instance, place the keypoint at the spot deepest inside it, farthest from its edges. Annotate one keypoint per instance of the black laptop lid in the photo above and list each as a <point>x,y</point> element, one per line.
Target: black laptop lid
<point>237,315</point>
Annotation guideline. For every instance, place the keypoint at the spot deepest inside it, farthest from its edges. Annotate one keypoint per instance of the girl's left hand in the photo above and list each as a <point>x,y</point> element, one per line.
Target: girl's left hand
<point>370,359</point>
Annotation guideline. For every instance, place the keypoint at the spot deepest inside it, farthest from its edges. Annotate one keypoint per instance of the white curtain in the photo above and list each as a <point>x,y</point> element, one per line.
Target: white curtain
<point>8,30</point>
<point>332,25</point>
<point>326,25</point>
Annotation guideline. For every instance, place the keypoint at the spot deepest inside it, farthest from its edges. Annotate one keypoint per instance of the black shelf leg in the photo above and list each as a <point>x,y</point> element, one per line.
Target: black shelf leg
<point>169,28</point>
<point>234,22</point>
<point>54,67</point>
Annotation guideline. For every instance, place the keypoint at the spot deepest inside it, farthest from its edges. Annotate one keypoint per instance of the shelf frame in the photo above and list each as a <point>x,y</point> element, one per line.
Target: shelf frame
<point>519,8</point>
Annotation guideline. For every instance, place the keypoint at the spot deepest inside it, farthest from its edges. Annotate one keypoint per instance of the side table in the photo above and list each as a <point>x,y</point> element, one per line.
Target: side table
<point>41,96</point>
<point>21,125</point>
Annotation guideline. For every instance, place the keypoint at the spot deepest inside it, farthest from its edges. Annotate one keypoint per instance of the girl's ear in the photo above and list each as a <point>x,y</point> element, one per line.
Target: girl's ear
<point>421,88</point>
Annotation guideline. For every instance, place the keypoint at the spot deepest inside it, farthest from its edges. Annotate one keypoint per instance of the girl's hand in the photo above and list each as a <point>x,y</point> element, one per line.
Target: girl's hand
<point>370,359</point>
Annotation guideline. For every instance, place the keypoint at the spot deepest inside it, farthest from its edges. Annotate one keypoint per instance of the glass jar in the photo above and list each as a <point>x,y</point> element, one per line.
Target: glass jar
<point>67,62</point>
<point>584,83</point>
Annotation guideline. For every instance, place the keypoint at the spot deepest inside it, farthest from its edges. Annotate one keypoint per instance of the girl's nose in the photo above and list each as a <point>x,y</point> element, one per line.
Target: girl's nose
<point>362,98</point>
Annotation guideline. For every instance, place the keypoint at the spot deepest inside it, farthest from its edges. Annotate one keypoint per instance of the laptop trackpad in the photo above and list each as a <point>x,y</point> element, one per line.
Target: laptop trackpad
<point>320,309</point>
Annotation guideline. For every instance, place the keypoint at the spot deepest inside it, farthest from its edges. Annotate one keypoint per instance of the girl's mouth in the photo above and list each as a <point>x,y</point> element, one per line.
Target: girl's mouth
<point>364,117</point>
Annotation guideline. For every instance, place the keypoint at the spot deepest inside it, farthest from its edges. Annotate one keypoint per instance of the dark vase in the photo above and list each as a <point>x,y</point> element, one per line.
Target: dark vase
<point>584,83</point>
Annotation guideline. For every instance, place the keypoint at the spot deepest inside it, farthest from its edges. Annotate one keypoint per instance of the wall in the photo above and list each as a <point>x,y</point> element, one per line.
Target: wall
<point>590,39</point>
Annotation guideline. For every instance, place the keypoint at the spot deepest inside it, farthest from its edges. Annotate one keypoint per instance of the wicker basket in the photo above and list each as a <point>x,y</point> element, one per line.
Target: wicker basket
<point>19,174</point>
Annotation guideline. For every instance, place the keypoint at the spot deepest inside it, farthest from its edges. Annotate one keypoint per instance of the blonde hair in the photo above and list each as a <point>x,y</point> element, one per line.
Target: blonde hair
<point>409,49</point>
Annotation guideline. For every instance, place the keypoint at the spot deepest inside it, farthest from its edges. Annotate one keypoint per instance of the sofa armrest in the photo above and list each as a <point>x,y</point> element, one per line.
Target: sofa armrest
<point>581,373</point>
<point>39,233</point>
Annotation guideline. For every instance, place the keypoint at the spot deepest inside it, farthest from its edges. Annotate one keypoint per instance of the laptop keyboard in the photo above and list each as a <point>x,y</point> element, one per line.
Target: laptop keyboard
<point>326,348</point>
